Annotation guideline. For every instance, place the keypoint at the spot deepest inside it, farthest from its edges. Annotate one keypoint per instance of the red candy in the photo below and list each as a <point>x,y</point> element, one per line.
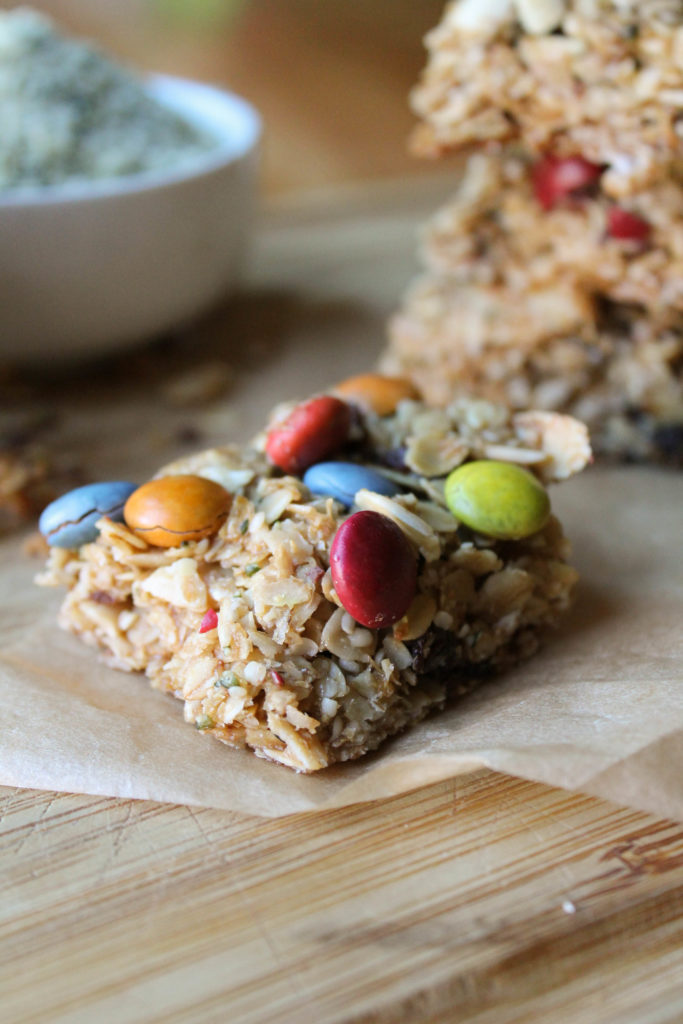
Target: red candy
<point>209,622</point>
<point>374,569</point>
<point>311,433</point>
<point>628,226</point>
<point>555,178</point>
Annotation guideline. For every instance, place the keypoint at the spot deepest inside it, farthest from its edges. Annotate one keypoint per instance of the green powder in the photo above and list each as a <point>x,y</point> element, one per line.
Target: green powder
<point>69,113</point>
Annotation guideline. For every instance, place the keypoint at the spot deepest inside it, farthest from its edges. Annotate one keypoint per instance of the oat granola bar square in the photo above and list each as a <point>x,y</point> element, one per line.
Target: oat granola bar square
<point>250,627</point>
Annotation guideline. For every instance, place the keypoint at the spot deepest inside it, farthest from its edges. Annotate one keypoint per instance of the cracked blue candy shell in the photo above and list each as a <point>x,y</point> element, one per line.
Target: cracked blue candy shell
<point>70,520</point>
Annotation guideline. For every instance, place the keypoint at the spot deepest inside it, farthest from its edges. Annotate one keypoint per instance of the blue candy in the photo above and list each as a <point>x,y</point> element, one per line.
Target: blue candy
<point>69,521</point>
<point>342,480</point>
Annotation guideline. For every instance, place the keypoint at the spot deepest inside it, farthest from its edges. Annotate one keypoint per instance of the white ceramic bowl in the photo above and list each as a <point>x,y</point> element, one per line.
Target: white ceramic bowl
<point>86,268</point>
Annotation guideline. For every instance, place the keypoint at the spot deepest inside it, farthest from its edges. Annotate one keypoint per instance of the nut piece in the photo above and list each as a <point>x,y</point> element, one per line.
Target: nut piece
<point>563,440</point>
<point>418,531</point>
<point>540,16</point>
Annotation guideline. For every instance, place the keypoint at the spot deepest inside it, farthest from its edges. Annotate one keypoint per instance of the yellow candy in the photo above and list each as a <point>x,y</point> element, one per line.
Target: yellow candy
<point>173,509</point>
<point>376,392</point>
<point>498,499</point>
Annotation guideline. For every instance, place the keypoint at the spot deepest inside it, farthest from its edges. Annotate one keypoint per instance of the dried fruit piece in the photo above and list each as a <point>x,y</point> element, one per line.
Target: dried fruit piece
<point>555,178</point>
<point>497,499</point>
<point>628,226</point>
<point>172,509</point>
<point>209,621</point>
<point>374,569</point>
<point>310,433</point>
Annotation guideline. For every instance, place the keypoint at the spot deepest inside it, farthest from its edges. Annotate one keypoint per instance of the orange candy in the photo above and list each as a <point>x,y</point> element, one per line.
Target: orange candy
<point>172,509</point>
<point>376,392</point>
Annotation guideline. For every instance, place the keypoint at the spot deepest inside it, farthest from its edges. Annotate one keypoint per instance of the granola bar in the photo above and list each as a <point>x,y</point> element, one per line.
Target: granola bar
<point>247,625</point>
<point>554,277</point>
<point>603,78</point>
<point>542,309</point>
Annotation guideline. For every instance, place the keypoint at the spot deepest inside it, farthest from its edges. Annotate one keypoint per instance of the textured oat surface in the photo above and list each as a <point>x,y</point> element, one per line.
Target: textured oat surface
<point>596,77</point>
<point>540,309</point>
<point>288,672</point>
<point>545,307</point>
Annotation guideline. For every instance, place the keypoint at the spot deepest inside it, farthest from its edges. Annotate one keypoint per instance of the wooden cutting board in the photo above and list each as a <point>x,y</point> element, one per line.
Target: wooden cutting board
<point>485,899</point>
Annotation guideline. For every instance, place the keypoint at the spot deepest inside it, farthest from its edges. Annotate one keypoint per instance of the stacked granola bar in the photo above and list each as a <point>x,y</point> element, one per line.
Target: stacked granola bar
<point>554,277</point>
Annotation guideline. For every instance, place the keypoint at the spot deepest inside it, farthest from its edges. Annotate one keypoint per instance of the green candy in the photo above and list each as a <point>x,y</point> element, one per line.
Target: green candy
<point>498,499</point>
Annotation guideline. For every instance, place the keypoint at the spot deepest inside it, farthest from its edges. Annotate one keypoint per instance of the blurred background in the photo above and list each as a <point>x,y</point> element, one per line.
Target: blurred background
<point>330,77</point>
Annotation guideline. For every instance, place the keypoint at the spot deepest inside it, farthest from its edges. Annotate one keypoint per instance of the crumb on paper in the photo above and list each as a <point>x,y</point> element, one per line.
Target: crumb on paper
<point>35,546</point>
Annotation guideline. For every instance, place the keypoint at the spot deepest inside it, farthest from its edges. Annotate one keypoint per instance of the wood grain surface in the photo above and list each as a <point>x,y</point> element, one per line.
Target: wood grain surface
<point>488,899</point>
<point>483,900</point>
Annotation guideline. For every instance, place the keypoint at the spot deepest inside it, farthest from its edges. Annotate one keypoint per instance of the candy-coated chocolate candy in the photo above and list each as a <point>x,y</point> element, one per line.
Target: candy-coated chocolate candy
<point>498,499</point>
<point>374,569</point>
<point>376,392</point>
<point>172,509</point>
<point>70,520</point>
<point>311,432</point>
<point>628,226</point>
<point>555,178</point>
<point>343,480</point>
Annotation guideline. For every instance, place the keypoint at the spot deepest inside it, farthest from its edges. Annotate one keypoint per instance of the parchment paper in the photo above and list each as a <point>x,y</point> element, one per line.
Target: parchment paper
<point>600,709</point>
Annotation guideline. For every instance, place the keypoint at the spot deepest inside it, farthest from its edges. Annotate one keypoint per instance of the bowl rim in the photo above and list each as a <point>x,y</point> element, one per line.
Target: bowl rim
<point>228,150</point>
